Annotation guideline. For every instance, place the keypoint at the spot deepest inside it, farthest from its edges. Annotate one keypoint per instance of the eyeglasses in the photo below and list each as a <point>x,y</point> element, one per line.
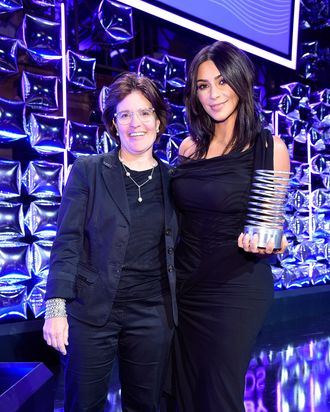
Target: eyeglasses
<point>145,115</point>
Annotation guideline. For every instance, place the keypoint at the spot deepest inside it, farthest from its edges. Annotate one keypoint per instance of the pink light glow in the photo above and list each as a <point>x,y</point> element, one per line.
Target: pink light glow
<point>64,88</point>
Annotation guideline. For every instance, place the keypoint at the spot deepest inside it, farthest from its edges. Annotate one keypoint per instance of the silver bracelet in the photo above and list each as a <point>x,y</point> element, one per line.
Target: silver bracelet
<point>55,308</point>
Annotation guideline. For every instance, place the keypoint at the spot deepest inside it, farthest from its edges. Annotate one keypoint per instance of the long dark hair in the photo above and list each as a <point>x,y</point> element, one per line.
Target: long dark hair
<point>125,84</point>
<point>238,71</point>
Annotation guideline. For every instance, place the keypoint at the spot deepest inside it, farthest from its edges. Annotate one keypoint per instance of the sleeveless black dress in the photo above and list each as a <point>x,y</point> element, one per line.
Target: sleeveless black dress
<point>224,293</point>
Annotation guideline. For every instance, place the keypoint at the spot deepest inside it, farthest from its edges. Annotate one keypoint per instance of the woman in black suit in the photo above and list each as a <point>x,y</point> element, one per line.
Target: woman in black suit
<point>111,284</point>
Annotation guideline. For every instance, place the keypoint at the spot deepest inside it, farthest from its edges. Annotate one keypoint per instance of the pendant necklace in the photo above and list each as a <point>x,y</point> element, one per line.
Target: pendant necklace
<point>128,174</point>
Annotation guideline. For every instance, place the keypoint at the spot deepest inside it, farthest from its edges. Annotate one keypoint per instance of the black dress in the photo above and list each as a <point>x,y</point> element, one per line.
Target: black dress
<point>224,293</point>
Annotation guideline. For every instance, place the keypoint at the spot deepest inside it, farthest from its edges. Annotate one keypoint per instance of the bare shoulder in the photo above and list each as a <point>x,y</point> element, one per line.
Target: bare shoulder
<point>187,147</point>
<point>281,155</point>
<point>279,144</point>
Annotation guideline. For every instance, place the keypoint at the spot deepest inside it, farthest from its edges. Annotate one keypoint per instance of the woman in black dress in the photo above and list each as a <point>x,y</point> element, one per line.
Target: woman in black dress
<point>224,290</point>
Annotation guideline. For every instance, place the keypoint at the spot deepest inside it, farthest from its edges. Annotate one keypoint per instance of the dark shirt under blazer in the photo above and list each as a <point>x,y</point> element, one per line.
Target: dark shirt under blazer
<point>92,235</point>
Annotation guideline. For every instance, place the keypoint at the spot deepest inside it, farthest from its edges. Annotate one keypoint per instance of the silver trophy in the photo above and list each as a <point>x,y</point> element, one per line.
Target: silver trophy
<point>266,208</point>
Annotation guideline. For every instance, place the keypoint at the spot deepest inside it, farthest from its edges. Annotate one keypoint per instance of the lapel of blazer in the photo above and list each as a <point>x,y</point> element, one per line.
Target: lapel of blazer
<point>114,181</point>
<point>165,175</point>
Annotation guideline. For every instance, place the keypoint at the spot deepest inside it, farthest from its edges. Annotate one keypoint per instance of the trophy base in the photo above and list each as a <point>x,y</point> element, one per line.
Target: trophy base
<point>265,235</point>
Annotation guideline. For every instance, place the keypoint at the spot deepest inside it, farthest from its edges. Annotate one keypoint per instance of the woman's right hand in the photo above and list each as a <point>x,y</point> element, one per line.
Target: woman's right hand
<point>56,333</point>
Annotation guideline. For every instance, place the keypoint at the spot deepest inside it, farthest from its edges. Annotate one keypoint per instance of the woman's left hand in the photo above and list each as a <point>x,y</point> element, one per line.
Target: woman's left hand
<point>251,245</point>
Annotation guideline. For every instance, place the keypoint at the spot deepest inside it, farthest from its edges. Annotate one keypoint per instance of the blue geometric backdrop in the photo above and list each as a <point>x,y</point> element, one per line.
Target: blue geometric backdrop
<point>43,70</point>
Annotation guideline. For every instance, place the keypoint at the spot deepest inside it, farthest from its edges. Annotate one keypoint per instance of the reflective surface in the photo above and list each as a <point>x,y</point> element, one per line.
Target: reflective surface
<point>81,71</point>
<point>289,370</point>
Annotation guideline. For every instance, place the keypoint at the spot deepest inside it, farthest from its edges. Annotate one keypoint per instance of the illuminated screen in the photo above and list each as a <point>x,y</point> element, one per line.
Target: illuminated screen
<point>266,28</point>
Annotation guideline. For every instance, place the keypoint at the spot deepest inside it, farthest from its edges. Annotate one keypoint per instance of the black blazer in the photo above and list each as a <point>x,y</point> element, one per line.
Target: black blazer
<point>92,235</point>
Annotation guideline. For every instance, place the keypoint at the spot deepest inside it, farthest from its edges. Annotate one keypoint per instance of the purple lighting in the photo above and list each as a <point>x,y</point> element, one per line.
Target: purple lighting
<point>64,87</point>
<point>116,22</point>
<point>8,55</point>
<point>41,38</point>
<point>11,120</point>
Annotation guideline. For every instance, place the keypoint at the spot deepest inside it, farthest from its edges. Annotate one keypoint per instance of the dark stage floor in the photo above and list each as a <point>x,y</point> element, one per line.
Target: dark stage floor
<point>289,371</point>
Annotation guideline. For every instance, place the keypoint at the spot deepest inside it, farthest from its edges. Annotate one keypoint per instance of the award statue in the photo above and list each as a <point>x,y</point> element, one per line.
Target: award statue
<point>265,215</point>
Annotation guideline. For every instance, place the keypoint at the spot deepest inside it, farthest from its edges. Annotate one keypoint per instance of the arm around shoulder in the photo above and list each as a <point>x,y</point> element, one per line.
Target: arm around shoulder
<point>281,155</point>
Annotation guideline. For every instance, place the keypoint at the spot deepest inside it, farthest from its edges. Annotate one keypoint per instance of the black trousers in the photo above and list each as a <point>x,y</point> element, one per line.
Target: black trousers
<point>139,333</point>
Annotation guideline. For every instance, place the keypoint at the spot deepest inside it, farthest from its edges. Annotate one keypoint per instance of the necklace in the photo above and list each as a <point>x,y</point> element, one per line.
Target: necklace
<point>128,174</point>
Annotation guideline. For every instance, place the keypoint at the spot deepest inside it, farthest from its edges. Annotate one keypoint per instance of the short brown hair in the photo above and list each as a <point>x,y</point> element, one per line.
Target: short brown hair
<point>125,84</point>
